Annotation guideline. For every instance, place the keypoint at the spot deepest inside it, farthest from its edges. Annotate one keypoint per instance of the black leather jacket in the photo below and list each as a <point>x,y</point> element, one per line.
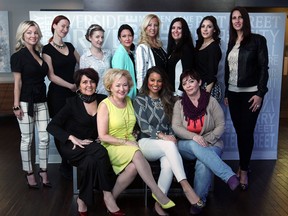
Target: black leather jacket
<point>252,64</point>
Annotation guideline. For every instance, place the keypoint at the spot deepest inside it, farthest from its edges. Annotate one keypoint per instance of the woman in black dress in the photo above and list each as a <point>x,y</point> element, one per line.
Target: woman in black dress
<point>61,58</point>
<point>75,127</point>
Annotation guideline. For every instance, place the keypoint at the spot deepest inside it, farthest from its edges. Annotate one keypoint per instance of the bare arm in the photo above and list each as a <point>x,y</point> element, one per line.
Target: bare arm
<point>54,78</point>
<point>102,125</point>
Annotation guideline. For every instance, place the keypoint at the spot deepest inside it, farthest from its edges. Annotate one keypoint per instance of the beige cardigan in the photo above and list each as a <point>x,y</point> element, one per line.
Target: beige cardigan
<point>213,128</point>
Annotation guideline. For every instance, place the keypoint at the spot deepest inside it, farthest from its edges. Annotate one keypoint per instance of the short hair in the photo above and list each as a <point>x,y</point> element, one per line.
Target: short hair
<point>113,74</point>
<point>143,38</point>
<point>92,28</point>
<point>192,73</point>
<point>89,72</point>
<point>216,32</point>
<point>22,28</point>
<point>56,20</point>
<point>126,27</point>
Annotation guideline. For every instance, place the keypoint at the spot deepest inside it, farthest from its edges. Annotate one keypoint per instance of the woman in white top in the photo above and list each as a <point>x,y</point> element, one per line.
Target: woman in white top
<point>95,57</point>
<point>149,51</point>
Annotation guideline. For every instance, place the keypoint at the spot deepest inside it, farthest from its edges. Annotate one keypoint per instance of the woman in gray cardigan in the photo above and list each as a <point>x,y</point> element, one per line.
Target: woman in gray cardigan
<point>198,121</point>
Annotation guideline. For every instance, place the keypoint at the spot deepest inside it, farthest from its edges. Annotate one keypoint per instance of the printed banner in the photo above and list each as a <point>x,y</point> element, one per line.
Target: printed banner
<point>270,25</point>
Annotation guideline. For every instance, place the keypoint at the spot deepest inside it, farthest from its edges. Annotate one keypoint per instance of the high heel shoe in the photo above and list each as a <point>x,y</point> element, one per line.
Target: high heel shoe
<point>168,205</point>
<point>244,186</point>
<point>36,186</point>
<point>47,184</point>
<point>117,213</point>
<point>83,213</point>
<point>197,207</point>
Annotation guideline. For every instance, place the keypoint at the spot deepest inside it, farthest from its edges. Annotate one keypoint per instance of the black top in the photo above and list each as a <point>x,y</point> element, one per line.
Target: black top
<point>73,119</point>
<point>33,89</point>
<point>207,61</point>
<point>64,67</point>
<point>186,55</point>
<point>160,57</point>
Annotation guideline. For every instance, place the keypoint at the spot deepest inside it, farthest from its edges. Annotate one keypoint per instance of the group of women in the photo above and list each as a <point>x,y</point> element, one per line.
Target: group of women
<point>167,94</point>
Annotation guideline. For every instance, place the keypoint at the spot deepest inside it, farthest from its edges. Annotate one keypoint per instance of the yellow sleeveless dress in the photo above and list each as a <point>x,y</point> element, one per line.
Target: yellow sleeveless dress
<point>120,125</point>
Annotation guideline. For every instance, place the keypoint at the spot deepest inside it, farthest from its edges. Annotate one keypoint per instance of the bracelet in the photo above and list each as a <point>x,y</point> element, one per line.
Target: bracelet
<point>157,134</point>
<point>15,108</point>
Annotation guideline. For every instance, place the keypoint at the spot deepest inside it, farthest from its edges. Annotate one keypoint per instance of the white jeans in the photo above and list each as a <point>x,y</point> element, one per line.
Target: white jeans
<point>170,160</point>
<point>27,124</point>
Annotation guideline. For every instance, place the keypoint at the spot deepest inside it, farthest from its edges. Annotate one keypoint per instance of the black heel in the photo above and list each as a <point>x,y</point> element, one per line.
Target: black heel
<point>48,184</point>
<point>30,186</point>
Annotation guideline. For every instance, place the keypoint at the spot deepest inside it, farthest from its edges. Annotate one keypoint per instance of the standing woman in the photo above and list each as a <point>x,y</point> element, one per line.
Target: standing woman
<point>61,58</point>
<point>208,55</point>
<point>115,121</point>
<point>123,58</point>
<point>97,58</point>
<point>153,110</point>
<point>30,102</point>
<point>246,77</point>
<point>180,52</point>
<point>149,51</point>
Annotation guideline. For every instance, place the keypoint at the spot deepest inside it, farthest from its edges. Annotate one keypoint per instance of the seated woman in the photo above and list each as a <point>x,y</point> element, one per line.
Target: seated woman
<point>198,120</point>
<point>153,110</point>
<point>115,122</point>
<point>75,126</point>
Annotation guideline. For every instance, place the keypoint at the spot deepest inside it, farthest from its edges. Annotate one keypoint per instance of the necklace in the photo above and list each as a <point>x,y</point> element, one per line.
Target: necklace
<point>59,46</point>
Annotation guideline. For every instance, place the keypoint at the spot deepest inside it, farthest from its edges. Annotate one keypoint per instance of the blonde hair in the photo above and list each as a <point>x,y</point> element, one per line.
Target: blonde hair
<point>144,38</point>
<point>22,28</point>
<point>114,74</point>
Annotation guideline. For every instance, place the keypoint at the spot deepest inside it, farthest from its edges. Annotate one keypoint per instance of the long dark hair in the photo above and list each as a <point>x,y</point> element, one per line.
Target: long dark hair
<point>246,26</point>
<point>215,35</point>
<point>165,94</point>
<point>186,38</point>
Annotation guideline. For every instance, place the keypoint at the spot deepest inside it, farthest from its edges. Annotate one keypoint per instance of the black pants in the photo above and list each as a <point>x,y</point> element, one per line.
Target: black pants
<point>94,169</point>
<point>244,121</point>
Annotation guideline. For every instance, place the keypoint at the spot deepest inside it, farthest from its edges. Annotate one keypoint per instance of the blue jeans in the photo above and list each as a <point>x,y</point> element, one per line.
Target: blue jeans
<point>208,162</point>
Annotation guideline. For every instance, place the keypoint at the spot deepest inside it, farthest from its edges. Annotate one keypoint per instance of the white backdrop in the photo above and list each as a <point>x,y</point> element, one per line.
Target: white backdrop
<point>270,25</point>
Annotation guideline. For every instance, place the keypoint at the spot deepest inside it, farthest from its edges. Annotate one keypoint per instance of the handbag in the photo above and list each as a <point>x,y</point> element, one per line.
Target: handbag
<point>216,91</point>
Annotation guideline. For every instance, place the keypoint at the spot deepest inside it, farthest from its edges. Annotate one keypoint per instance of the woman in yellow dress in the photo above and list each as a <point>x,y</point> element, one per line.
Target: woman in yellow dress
<point>116,120</point>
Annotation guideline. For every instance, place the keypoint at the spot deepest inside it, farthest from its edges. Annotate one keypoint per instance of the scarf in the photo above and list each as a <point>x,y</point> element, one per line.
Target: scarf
<point>86,98</point>
<point>194,113</point>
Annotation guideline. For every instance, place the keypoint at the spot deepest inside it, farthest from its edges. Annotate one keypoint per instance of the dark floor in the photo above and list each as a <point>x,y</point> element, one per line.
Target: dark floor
<point>267,195</point>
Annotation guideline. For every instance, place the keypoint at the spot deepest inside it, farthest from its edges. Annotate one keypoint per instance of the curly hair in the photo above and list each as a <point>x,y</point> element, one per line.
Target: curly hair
<point>113,74</point>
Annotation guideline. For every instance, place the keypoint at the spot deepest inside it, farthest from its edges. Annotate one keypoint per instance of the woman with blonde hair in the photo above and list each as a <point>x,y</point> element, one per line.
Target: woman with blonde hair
<point>30,102</point>
<point>149,51</point>
<point>116,135</point>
